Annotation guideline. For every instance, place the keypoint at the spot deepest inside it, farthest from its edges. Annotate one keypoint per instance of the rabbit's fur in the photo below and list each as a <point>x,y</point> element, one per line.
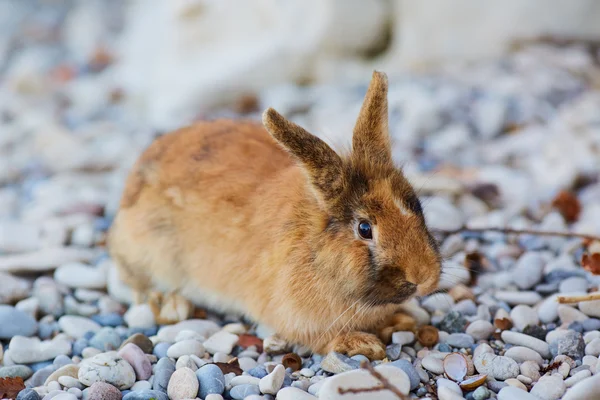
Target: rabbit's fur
<point>264,222</point>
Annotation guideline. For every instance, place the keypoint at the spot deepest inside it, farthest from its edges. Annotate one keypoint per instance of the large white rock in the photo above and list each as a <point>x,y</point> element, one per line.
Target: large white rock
<point>360,378</point>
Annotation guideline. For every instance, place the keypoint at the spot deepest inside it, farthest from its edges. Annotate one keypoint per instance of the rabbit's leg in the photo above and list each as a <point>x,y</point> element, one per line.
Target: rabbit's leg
<point>397,322</point>
<point>169,308</point>
<point>353,343</point>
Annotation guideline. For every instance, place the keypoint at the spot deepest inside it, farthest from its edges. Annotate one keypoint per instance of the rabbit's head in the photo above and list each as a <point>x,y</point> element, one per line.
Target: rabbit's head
<point>370,235</point>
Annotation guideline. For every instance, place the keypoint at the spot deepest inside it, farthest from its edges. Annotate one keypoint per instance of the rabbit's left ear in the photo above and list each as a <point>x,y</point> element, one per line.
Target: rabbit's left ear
<point>322,165</point>
<point>371,140</point>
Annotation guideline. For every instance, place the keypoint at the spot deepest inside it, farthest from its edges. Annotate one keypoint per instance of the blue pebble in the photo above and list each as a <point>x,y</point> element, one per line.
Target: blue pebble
<point>111,319</point>
<point>28,394</point>
<point>591,324</point>
<point>160,350</point>
<point>211,380</point>
<point>61,361</point>
<point>146,331</point>
<point>46,330</point>
<point>106,339</point>
<point>287,381</point>
<point>15,322</point>
<point>79,345</point>
<point>162,373</point>
<point>88,335</point>
<point>240,392</point>
<point>410,370</point>
<point>125,392</point>
<point>422,392</point>
<point>146,395</point>
<point>316,366</point>
<point>359,358</point>
<point>576,326</point>
<point>39,365</point>
<point>443,347</point>
<point>258,372</point>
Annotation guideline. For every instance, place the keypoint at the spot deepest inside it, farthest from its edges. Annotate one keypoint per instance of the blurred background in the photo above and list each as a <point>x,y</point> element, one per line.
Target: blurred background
<point>494,106</point>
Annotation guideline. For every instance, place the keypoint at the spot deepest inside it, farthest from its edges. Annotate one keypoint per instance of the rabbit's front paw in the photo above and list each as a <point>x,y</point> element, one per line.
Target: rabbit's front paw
<point>169,308</point>
<point>397,322</point>
<point>353,343</point>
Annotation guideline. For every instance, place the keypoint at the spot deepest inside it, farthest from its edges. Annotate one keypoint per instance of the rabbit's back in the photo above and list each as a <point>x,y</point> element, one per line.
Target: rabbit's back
<point>189,206</point>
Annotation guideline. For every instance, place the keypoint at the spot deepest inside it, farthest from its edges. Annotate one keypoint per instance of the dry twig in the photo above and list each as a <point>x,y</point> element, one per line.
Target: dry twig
<point>520,232</point>
<point>384,383</point>
<point>577,299</point>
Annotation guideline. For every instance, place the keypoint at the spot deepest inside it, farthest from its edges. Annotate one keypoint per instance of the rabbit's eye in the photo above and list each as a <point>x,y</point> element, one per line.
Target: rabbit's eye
<point>364,230</point>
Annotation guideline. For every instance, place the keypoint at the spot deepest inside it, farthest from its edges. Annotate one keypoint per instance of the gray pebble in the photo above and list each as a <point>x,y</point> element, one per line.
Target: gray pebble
<point>15,322</point>
<point>481,393</point>
<point>240,392</point>
<point>570,344</point>
<point>460,340</point>
<point>410,370</point>
<point>106,339</point>
<point>146,395</point>
<point>211,380</point>
<point>13,371</point>
<point>393,351</point>
<point>28,394</point>
<point>496,386</point>
<point>162,373</point>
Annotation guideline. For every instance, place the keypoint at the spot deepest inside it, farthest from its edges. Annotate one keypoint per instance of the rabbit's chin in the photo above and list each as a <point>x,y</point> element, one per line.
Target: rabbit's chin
<point>399,296</point>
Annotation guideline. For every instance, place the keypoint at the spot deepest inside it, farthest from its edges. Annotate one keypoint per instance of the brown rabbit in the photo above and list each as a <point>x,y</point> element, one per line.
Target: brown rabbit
<point>321,248</point>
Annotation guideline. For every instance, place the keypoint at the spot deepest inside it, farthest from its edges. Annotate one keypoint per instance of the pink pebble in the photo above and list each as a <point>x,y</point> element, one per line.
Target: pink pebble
<point>138,360</point>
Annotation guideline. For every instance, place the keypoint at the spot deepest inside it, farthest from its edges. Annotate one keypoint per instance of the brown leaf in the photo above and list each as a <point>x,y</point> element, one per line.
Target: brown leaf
<point>503,324</point>
<point>232,365</point>
<point>568,205</point>
<point>246,341</point>
<point>292,360</point>
<point>10,387</point>
<point>591,262</point>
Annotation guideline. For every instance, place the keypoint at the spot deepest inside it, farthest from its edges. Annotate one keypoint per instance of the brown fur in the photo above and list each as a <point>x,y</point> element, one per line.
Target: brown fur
<point>239,220</point>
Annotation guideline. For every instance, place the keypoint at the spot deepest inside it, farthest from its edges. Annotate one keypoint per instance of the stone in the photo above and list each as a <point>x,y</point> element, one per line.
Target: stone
<point>211,380</point>
<point>221,341</point>
<point>480,329</point>
<point>515,298</point>
<point>521,354</point>
<point>586,389</point>
<point>106,339</point>
<point>103,391</point>
<point>15,322</point>
<point>593,348</point>
<point>549,388</point>
<point>578,377</point>
<point>447,383</point>
<point>12,288</point>
<point>28,394</point>
<point>337,363</point>
<point>520,339</point>
<point>433,364</point>
<point>76,326</point>
<point>481,393</point>
<point>183,385</point>
<point>403,338</point>
<point>186,361</point>
<point>392,351</point>
<point>140,340</point>
<point>362,379</point>
<point>80,276</point>
<point>107,367</point>
<point>460,340</point>
<point>571,344</point>
<point>568,314</point>
<point>439,302</point>
<point>446,393</point>
<point>140,316</point>
<point>292,393</point>
<point>25,350</point>
<point>271,383</point>
<point>186,348</point>
<point>137,359</point>
<point>242,392</point>
<point>590,308</point>
<point>573,284</point>
<point>409,370</point>
<point>523,316</point>
<point>205,328</point>
<point>70,370</point>
<point>453,322</point>
<point>499,367</point>
<point>163,370</point>
<point>548,309</point>
<point>146,395</point>
<point>528,270</point>
<point>513,393</point>
<point>13,371</point>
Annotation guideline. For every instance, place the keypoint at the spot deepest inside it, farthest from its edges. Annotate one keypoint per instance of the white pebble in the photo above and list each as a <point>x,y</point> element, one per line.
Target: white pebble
<point>271,383</point>
<point>549,388</point>
<point>221,341</point>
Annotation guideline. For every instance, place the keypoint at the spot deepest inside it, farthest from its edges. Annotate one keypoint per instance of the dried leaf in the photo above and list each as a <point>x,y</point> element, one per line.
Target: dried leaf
<point>568,205</point>
<point>232,365</point>
<point>246,341</point>
<point>10,387</point>
<point>591,263</point>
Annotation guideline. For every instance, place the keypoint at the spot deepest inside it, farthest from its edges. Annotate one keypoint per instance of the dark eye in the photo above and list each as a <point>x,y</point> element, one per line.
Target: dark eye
<point>364,230</point>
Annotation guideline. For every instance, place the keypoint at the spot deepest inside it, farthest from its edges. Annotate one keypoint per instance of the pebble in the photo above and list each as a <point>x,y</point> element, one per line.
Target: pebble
<point>528,270</point>
<point>80,276</point>
<point>403,338</point>
<point>433,364</point>
<point>568,314</point>
<point>513,393</point>
<point>393,351</point>
<point>183,385</point>
<point>515,298</point>
<point>137,359</point>
<point>481,393</point>
<point>521,354</point>
<point>109,319</point>
<point>453,322</point>
<point>106,339</point>
<point>163,370</point>
<point>445,393</point>
<point>71,370</point>
<point>186,347</point>
<point>409,370</point>
<point>521,339</point>
<point>107,367</point>
<point>573,284</point>
<point>460,340</point>
<point>140,340</point>
<point>221,341</point>
<point>480,329</point>
<point>15,322</point>
<point>76,326</point>
<point>549,388</point>
<point>13,371</point>
<point>516,383</point>
<point>499,367</point>
<point>214,397</point>
<point>570,344</point>
<point>103,391</point>
<point>24,350</point>
<point>204,327</point>
<point>586,389</point>
<point>523,316</point>
<point>241,392</point>
<point>140,316</point>
<point>578,377</point>
<point>337,363</point>
<point>590,308</point>
<point>271,383</point>
<point>211,380</point>
<point>531,370</point>
<point>361,379</point>
<point>28,394</point>
<point>593,348</point>
<point>439,302</point>
<point>292,393</point>
<point>447,383</point>
<point>146,395</point>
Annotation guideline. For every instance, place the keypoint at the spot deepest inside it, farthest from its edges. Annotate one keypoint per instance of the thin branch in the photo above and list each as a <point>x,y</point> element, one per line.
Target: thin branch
<point>385,384</point>
<point>577,299</point>
<point>520,232</point>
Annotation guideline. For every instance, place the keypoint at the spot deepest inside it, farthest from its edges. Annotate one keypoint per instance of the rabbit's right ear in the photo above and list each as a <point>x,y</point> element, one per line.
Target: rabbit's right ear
<point>321,163</point>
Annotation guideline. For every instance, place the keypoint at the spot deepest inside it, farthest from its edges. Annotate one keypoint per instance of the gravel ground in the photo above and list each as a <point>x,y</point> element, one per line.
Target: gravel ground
<point>492,144</point>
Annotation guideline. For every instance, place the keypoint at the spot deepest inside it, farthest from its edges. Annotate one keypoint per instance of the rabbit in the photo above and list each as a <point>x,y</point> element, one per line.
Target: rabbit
<point>322,248</point>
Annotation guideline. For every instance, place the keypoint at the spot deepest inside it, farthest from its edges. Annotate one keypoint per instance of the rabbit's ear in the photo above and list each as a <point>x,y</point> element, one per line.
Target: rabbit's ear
<point>321,163</point>
<point>371,140</point>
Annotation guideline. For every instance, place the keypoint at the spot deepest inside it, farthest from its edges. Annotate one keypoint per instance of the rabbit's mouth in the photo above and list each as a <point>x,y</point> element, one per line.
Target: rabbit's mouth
<point>389,295</point>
